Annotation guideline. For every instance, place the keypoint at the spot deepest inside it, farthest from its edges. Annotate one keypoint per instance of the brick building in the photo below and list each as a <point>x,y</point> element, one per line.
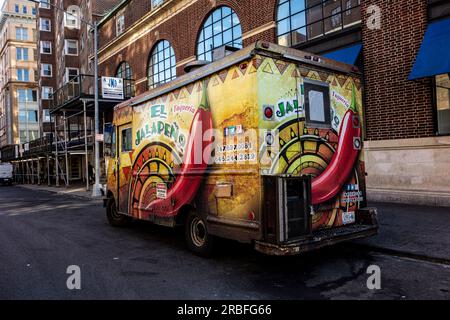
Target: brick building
<point>66,41</point>
<point>62,142</point>
<point>400,47</point>
<point>18,73</point>
<point>407,142</point>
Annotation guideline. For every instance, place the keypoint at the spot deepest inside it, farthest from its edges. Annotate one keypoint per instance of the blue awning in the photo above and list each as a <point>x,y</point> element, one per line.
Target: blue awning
<point>347,55</point>
<point>434,53</point>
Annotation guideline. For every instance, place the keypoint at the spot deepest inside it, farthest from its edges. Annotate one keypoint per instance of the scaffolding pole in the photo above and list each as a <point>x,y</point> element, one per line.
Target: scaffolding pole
<point>39,171</point>
<point>86,161</point>
<point>56,155</point>
<point>27,166</point>
<point>65,147</point>
<point>48,171</point>
<point>32,170</point>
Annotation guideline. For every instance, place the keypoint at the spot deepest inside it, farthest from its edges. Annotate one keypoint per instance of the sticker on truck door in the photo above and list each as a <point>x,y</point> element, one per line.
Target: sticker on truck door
<point>161,191</point>
<point>348,217</point>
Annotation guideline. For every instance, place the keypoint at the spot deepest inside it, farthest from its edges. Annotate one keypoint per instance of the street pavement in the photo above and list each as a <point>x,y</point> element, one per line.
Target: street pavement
<point>416,231</point>
<point>42,233</point>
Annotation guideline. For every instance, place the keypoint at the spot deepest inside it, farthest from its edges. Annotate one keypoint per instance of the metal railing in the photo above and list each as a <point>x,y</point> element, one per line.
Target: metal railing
<point>82,86</point>
<point>9,152</point>
<point>39,146</point>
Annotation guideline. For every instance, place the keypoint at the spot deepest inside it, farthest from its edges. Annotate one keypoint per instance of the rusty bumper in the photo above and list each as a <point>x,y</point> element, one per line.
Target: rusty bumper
<point>320,239</point>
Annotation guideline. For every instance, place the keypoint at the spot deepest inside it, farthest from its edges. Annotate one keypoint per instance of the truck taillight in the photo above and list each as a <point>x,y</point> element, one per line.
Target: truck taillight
<point>268,112</point>
<point>356,121</point>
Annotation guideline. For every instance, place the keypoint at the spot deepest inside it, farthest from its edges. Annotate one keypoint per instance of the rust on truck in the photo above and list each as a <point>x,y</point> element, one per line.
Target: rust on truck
<point>263,146</point>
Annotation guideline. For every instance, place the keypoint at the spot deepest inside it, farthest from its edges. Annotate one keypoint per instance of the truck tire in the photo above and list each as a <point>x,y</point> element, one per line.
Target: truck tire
<point>197,237</point>
<point>114,218</point>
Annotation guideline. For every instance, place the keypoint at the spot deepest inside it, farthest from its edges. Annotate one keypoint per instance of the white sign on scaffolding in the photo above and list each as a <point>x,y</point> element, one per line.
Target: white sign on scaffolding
<point>112,88</point>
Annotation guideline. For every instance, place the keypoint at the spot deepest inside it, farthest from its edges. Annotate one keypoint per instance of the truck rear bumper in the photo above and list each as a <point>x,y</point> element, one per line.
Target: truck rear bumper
<point>318,240</point>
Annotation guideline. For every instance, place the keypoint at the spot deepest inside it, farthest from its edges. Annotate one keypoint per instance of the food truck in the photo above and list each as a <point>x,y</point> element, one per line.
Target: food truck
<point>264,146</point>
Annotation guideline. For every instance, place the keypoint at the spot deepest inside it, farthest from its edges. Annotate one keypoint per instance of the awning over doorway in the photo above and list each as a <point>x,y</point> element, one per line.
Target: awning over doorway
<point>347,55</point>
<point>434,54</point>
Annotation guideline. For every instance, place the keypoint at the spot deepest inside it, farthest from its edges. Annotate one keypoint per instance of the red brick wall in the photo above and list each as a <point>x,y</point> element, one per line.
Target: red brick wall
<point>181,31</point>
<point>395,107</point>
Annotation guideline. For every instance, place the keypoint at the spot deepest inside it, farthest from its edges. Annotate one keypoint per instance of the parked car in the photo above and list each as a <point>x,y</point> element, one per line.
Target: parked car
<point>6,173</point>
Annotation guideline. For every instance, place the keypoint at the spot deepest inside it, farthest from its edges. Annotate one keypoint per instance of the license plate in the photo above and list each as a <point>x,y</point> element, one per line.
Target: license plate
<point>348,218</point>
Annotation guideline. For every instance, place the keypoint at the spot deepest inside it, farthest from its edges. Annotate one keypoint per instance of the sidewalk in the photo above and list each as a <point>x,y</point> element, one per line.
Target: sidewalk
<point>413,230</point>
<point>76,191</point>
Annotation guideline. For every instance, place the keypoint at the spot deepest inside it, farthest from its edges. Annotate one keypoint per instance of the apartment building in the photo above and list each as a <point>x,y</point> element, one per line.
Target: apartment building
<point>19,109</point>
<point>46,63</point>
<point>391,42</point>
<point>65,42</point>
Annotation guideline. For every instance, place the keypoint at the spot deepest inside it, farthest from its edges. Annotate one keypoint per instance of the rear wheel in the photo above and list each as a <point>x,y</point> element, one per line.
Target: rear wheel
<point>197,237</point>
<point>115,218</point>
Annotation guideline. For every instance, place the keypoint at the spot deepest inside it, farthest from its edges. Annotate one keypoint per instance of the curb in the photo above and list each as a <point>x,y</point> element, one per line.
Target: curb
<point>61,193</point>
<point>402,253</point>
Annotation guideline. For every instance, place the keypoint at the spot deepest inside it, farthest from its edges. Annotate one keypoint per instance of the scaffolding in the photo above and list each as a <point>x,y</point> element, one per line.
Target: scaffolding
<point>51,159</point>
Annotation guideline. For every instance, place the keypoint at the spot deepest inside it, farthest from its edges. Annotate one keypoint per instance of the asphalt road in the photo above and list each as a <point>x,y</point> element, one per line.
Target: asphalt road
<point>42,234</point>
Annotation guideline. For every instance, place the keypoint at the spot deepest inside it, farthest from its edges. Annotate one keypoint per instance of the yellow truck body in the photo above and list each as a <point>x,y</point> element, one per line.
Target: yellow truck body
<point>276,116</point>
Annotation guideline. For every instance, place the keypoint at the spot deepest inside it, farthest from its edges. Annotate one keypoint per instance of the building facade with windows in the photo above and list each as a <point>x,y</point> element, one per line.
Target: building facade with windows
<point>19,109</point>
<point>46,63</point>
<point>64,37</point>
<point>65,42</point>
<point>407,117</point>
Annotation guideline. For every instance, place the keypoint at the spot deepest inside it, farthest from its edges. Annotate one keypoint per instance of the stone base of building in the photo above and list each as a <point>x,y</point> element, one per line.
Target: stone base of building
<point>412,171</point>
<point>419,197</point>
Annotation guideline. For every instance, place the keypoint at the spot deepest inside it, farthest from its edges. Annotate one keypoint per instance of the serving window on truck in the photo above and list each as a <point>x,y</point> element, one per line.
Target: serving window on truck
<point>317,104</point>
<point>126,142</point>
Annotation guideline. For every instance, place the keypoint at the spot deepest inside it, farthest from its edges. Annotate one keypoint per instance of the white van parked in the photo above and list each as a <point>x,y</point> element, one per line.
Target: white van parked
<point>6,173</point>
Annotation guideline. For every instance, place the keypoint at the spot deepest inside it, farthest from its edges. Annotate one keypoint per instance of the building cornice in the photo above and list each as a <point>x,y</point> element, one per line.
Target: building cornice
<point>15,17</point>
<point>143,26</point>
<point>11,42</point>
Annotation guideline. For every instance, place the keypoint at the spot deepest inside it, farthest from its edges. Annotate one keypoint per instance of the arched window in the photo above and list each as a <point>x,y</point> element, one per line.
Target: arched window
<point>124,71</point>
<point>161,64</point>
<point>222,27</point>
<point>72,17</point>
<point>303,20</point>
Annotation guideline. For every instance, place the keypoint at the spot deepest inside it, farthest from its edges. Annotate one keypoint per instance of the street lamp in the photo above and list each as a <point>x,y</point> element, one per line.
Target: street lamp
<point>96,191</point>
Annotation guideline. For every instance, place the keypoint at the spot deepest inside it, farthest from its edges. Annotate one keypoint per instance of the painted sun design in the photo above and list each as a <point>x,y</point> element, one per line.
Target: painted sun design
<point>155,163</point>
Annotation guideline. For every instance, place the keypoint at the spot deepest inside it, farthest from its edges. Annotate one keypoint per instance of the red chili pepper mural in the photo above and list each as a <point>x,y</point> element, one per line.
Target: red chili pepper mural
<point>194,163</point>
<point>330,182</point>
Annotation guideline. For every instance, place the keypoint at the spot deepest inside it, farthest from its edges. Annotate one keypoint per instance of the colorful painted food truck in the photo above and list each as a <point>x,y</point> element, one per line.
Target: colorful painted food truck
<point>263,146</point>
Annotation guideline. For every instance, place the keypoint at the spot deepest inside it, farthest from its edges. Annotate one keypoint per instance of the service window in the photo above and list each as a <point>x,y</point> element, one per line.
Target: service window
<point>317,104</point>
<point>109,140</point>
<point>126,140</point>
